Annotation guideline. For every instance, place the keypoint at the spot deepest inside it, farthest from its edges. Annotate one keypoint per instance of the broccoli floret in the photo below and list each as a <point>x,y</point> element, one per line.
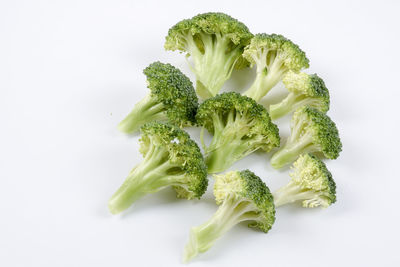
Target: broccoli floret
<point>311,184</point>
<point>171,99</point>
<point>304,89</point>
<point>311,131</point>
<point>171,158</point>
<point>241,196</point>
<point>239,126</point>
<point>274,56</point>
<point>215,42</point>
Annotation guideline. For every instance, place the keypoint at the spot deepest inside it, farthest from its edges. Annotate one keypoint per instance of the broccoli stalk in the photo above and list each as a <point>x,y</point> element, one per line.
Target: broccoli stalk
<point>171,158</point>
<point>231,212</point>
<point>290,104</point>
<point>304,89</point>
<point>171,99</point>
<point>266,76</point>
<point>239,126</point>
<point>151,175</point>
<point>274,56</point>
<point>241,196</point>
<point>146,110</point>
<point>231,140</point>
<point>311,184</point>
<point>214,66</point>
<point>215,43</point>
<point>293,193</point>
<point>295,145</point>
<point>311,131</point>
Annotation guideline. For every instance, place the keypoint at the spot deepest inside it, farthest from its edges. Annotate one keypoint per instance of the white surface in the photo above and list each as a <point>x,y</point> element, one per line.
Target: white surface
<point>71,70</point>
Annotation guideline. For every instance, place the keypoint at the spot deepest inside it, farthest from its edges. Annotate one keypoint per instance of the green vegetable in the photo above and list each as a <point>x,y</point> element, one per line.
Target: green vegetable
<point>304,89</point>
<point>239,126</point>
<point>311,184</point>
<point>241,196</point>
<point>171,99</point>
<point>311,131</point>
<point>274,56</point>
<point>171,158</point>
<point>215,42</point>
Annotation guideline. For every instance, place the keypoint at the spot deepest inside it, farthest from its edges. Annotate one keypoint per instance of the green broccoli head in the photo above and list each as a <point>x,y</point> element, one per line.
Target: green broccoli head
<point>274,55</point>
<point>215,42</point>
<point>239,126</point>
<point>304,89</point>
<point>275,47</point>
<point>213,23</point>
<point>242,197</point>
<point>311,184</point>
<point>172,99</point>
<point>312,131</point>
<point>183,152</point>
<point>308,85</point>
<point>247,187</point>
<point>171,158</point>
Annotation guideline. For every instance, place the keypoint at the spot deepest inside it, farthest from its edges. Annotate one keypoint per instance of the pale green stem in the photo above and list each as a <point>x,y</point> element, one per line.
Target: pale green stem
<point>266,79</point>
<point>282,108</point>
<point>146,110</point>
<point>291,193</point>
<point>291,151</point>
<point>215,66</point>
<point>231,212</point>
<point>141,180</point>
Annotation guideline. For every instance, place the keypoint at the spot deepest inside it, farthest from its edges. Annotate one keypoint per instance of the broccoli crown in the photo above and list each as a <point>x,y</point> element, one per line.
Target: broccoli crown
<point>322,129</point>
<point>249,187</point>
<point>208,23</point>
<point>174,90</point>
<point>259,123</point>
<point>309,85</point>
<point>276,46</point>
<point>310,173</point>
<point>183,152</point>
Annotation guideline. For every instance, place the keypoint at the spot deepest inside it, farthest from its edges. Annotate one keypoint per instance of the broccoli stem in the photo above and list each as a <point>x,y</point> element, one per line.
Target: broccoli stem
<point>260,86</point>
<point>147,109</point>
<point>227,145</point>
<point>214,66</point>
<point>231,212</point>
<point>282,108</point>
<point>292,102</point>
<point>291,193</point>
<point>222,157</point>
<point>267,77</point>
<point>149,176</point>
<point>291,151</point>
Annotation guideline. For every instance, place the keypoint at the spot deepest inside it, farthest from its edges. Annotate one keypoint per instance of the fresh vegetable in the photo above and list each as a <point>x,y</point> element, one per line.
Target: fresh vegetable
<point>241,196</point>
<point>170,158</point>
<point>311,184</point>
<point>274,55</point>
<point>304,89</point>
<point>215,43</point>
<point>311,131</point>
<point>171,99</point>
<point>239,126</point>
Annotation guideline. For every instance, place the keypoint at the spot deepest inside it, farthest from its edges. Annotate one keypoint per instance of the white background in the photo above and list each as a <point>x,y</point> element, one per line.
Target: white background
<point>71,70</point>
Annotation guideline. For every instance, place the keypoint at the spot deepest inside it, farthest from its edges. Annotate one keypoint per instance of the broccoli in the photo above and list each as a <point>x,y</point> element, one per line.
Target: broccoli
<point>274,56</point>
<point>241,196</point>
<point>171,99</point>
<point>311,131</point>
<point>304,90</point>
<point>311,183</point>
<point>171,158</point>
<point>240,126</point>
<point>215,42</point>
